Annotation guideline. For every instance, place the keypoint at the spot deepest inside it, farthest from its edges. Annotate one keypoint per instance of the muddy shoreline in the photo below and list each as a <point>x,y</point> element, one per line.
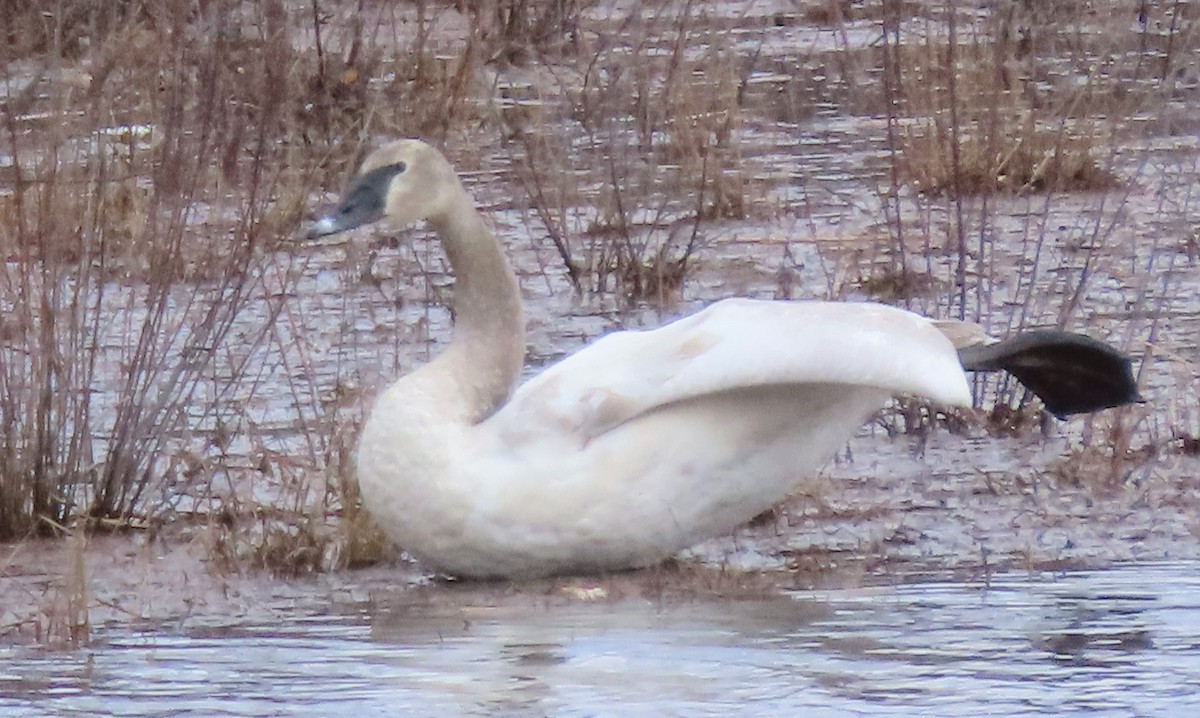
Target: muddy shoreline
<point>897,512</point>
<point>815,191</point>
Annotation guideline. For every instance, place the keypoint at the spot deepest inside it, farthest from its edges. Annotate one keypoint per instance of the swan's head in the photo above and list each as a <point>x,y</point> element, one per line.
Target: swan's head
<point>403,181</point>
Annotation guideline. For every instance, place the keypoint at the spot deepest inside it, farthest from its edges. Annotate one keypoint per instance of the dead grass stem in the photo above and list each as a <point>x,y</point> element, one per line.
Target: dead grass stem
<point>661,153</point>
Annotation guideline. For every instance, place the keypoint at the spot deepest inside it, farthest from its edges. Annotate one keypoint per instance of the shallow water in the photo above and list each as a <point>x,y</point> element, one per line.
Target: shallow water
<point>1123,641</point>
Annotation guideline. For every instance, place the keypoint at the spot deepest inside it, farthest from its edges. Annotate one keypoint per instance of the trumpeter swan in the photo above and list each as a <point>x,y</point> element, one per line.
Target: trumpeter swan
<point>644,442</point>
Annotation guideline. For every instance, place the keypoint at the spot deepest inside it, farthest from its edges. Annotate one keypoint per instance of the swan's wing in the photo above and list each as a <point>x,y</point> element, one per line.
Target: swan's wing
<point>733,344</point>
<point>1070,373</point>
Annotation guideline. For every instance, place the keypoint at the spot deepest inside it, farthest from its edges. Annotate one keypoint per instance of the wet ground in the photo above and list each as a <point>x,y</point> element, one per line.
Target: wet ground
<point>1051,572</point>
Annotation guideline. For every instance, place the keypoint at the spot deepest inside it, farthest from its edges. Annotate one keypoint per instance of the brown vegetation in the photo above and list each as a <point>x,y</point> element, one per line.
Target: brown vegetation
<point>163,156</point>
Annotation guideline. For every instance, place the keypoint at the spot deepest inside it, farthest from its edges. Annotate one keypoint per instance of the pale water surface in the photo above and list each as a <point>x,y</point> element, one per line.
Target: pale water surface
<point>1122,642</point>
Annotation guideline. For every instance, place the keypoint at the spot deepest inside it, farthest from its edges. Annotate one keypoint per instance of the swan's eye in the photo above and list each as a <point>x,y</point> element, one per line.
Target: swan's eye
<point>400,167</point>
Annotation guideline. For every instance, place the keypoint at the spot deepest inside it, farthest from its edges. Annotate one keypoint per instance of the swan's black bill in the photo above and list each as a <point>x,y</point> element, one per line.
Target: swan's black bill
<point>1070,373</point>
<point>364,203</point>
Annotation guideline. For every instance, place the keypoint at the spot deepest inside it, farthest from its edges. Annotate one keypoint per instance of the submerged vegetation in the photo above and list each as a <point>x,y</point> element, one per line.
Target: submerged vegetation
<point>157,358</point>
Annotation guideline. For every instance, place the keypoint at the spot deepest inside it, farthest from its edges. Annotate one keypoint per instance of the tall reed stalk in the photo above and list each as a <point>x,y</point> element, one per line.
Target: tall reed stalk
<point>142,196</point>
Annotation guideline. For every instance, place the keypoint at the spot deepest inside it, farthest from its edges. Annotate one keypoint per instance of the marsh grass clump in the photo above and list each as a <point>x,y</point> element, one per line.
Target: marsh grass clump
<point>1045,160</point>
<point>156,165</point>
<point>513,30</point>
<point>835,13</point>
<point>293,542</point>
<point>65,29</point>
<point>359,542</point>
<point>316,521</point>
<point>293,546</point>
<point>917,417</point>
<point>658,113</point>
<point>63,615</point>
<point>894,287</point>
<point>829,13</point>
<point>304,533</point>
<point>978,125</point>
<point>1097,467</point>
<point>140,234</point>
<point>115,351</point>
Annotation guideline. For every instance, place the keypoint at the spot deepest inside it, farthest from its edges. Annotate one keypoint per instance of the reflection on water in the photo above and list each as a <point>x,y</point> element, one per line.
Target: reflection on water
<point>1124,641</point>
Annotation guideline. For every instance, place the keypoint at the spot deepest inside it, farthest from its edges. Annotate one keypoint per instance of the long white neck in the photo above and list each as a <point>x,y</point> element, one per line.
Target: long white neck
<point>487,351</point>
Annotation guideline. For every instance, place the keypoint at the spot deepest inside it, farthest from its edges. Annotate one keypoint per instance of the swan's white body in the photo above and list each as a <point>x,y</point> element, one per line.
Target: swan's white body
<point>635,447</point>
<point>643,443</point>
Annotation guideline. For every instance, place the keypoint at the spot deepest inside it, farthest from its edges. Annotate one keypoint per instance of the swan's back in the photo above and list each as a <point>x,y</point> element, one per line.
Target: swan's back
<point>735,344</point>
